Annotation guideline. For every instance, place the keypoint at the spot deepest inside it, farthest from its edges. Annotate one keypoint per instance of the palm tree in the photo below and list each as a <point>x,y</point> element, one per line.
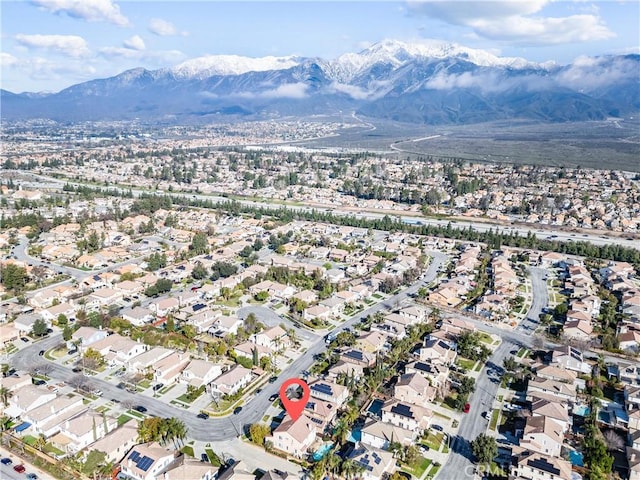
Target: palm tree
<point>40,442</point>
<point>5,395</point>
<point>333,463</point>
<point>341,431</point>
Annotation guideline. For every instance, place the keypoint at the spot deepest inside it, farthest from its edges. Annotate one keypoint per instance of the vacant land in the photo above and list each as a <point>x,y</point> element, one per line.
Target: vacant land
<point>612,144</point>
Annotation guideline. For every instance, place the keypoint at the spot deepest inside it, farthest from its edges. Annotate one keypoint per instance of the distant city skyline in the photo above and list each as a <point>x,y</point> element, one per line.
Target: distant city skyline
<point>48,45</point>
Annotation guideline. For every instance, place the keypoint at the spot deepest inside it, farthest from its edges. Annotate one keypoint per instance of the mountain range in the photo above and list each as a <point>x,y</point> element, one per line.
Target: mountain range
<point>428,82</point>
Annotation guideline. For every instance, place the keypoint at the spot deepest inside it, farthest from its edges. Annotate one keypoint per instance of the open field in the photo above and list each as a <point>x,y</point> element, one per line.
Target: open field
<point>611,144</point>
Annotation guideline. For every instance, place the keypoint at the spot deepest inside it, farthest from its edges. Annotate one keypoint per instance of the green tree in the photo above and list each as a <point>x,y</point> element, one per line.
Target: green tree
<point>67,332</point>
<point>484,448</point>
<point>13,276</point>
<point>199,271</point>
<point>199,244</point>
<point>258,432</point>
<point>62,320</point>
<point>93,358</point>
<point>39,328</point>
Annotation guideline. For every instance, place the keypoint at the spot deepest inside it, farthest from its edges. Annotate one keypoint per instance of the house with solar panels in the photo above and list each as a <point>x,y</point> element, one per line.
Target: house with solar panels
<point>146,461</point>
<point>406,415</point>
<point>329,391</point>
<point>376,463</point>
<point>358,357</point>
<point>537,466</point>
<point>320,412</point>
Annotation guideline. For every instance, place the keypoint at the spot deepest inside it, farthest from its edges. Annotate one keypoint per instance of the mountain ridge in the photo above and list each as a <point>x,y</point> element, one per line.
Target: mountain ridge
<point>428,82</point>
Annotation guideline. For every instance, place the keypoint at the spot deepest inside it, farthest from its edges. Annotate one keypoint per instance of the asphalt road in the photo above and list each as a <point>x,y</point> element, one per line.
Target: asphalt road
<point>460,462</point>
<point>230,426</point>
<point>539,302</point>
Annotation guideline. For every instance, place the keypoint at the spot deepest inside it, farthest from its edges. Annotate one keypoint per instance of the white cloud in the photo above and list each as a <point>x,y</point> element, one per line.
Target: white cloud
<point>351,90</point>
<point>514,21</point>
<point>90,10</point>
<point>70,45</point>
<point>160,57</point>
<point>288,90</point>
<point>134,43</point>
<point>163,28</point>
<point>587,73</point>
<point>7,60</point>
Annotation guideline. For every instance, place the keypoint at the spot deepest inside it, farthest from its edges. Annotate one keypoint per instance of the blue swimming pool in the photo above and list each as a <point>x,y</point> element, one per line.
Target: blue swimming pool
<point>576,458</point>
<point>581,410</point>
<point>322,451</point>
<point>376,407</point>
<point>355,435</point>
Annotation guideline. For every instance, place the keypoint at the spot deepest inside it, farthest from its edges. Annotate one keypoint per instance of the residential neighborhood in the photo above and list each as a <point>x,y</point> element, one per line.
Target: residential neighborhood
<point>146,329</point>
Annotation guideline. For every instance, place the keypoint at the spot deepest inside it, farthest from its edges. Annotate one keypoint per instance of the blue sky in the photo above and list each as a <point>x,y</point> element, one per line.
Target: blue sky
<point>48,45</point>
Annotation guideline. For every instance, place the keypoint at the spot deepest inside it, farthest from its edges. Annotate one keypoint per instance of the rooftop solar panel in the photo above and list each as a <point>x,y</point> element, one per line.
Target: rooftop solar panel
<point>145,463</point>
<point>402,409</point>
<point>134,456</point>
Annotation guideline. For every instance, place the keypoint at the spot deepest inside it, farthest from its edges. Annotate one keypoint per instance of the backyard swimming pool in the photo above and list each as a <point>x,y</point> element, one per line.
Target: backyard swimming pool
<point>322,451</point>
<point>576,458</point>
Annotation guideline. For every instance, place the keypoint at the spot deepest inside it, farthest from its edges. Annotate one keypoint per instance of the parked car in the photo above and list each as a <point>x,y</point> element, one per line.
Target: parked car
<point>76,369</point>
<point>273,397</point>
<point>24,339</point>
<point>37,381</point>
<point>237,410</point>
<point>140,408</point>
<point>273,379</point>
<point>204,457</point>
<point>203,416</point>
<point>437,427</point>
<point>32,476</point>
<point>72,351</point>
<point>6,461</point>
<point>467,407</point>
<point>19,468</point>
<point>158,386</point>
<point>41,353</point>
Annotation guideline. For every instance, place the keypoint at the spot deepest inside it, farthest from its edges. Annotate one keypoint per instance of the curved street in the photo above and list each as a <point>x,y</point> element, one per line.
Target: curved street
<point>219,428</point>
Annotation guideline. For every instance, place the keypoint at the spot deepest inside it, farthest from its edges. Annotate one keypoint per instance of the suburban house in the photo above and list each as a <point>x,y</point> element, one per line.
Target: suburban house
<point>137,315</point>
<point>321,412</point>
<point>82,430</point>
<point>536,466</point>
<point>358,357</point>
<point>86,336</point>
<point>186,468</point>
<point>413,388</point>
<point>144,362</point>
<point>147,460</point>
<point>554,410</point>
<point>294,437</point>
<point>232,381</point>
<point>329,391</point>
<point>46,419</point>
<point>409,417</point>
<point>380,434</point>
<point>168,369</point>
<point>543,435</point>
<point>27,398</point>
<point>569,358</point>
<point>347,369</point>
<point>200,372</point>
<point>274,338</point>
<point>376,463</point>
<point>550,389</point>
<point>437,351</point>
<point>436,374</point>
<point>117,442</point>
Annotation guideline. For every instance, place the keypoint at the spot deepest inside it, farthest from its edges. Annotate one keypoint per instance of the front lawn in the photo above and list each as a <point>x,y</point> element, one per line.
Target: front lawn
<point>122,419</point>
<point>465,363</point>
<point>418,468</point>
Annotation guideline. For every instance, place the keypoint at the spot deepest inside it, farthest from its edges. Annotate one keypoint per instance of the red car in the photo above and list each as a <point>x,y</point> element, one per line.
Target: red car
<point>467,407</point>
<point>19,468</point>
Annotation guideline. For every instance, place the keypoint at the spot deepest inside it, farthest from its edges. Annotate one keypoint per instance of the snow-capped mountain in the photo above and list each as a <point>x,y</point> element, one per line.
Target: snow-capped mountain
<point>425,82</point>
<point>210,65</point>
<point>396,54</point>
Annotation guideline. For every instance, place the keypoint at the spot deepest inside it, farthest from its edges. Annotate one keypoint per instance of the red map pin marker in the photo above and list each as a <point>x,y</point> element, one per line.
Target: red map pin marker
<point>294,407</point>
